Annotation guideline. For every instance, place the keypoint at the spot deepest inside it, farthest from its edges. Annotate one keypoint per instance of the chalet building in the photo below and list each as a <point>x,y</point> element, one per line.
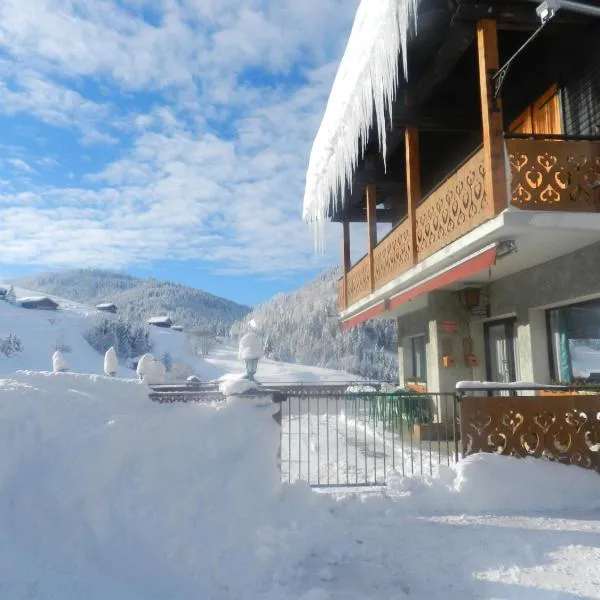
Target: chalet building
<point>39,303</point>
<point>461,148</point>
<point>107,307</point>
<point>160,322</point>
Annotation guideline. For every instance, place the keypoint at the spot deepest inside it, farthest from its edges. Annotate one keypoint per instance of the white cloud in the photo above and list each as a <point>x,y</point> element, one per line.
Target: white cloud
<point>213,169</point>
<point>19,164</point>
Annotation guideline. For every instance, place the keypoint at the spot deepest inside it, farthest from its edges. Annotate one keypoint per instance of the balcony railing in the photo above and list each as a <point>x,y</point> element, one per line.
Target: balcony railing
<point>546,174</point>
<point>555,174</point>
<point>454,208</point>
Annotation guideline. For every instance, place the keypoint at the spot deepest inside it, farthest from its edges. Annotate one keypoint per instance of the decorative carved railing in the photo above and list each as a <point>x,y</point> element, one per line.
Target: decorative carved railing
<point>359,282</point>
<point>456,207</point>
<point>562,428</point>
<point>393,255</point>
<point>555,174</point>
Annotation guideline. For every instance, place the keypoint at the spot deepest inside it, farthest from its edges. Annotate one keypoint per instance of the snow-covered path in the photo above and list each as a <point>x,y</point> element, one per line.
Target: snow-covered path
<point>104,494</point>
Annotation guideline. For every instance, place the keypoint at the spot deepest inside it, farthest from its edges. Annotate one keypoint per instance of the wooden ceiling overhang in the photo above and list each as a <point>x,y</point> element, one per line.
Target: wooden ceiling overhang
<point>439,97</point>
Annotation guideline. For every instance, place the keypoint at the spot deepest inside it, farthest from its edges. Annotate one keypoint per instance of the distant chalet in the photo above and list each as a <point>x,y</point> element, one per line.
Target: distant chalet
<point>40,303</point>
<point>160,322</point>
<point>108,307</point>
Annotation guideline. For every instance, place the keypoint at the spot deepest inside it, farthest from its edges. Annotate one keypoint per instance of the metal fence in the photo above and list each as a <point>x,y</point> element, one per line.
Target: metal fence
<point>330,437</point>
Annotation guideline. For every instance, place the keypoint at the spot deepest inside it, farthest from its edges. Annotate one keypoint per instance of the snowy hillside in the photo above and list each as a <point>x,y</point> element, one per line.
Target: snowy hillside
<point>302,326</point>
<point>139,299</point>
<point>104,494</point>
<point>41,332</point>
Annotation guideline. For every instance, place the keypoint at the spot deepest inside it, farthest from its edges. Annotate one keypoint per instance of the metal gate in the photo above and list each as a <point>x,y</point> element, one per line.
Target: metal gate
<point>335,438</point>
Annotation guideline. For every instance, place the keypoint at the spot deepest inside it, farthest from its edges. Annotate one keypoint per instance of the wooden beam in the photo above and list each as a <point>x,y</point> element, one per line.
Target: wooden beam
<point>491,115</point>
<point>346,262</point>
<point>455,44</point>
<point>413,183</point>
<point>372,229</point>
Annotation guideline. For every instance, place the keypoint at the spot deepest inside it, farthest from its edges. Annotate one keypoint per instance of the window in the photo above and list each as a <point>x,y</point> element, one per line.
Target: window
<point>574,341</point>
<point>419,358</point>
<point>502,351</point>
<point>542,117</point>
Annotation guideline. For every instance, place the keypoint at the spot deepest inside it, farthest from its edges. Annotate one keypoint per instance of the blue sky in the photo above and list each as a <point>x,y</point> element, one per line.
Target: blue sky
<point>166,138</point>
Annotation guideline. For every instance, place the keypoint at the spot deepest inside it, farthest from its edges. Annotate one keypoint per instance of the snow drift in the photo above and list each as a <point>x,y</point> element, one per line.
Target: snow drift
<point>104,494</point>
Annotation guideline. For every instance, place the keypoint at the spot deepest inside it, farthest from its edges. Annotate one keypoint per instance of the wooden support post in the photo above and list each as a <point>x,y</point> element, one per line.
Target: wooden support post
<point>346,258</point>
<point>413,184</point>
<point>491,115</point>
<point>372,223</point>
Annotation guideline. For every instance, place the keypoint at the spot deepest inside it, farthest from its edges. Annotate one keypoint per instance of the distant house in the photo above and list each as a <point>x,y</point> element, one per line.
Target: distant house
<point>177,327</point>
<point>108,307</point>
<point>38,302</point>
<point>160,322</point>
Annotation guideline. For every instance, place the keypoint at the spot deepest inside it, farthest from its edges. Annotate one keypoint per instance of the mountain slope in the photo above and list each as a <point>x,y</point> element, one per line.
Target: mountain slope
<point>303,327</point>
<point>138,299</point>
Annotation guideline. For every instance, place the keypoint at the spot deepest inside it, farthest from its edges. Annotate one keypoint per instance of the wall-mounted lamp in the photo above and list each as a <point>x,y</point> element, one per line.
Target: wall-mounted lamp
<point>505,248</point>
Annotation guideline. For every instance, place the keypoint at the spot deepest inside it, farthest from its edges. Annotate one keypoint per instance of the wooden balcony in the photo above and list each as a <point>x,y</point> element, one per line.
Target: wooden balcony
<point>546,175</point>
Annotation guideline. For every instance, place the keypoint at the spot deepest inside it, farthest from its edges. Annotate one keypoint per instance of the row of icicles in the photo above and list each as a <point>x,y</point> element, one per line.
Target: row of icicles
<point>149,368</point>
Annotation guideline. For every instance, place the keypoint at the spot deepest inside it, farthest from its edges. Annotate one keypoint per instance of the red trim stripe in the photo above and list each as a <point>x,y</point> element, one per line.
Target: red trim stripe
<point>469,267</point>
<point>370,313</point>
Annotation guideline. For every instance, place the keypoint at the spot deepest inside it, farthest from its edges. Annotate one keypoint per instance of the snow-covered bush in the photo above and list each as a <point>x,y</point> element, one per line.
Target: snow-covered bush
<point>10,345</point>
<point>59,363</point>
<point>111,363</point>
<point>129,339</point>
<point>142,365</point>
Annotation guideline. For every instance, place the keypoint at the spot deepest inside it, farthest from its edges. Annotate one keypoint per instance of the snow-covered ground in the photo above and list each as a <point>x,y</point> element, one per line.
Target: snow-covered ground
<point>104,494</point>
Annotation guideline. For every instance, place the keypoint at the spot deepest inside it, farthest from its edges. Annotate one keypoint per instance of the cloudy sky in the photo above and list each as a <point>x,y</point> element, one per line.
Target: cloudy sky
<point>165,137</point>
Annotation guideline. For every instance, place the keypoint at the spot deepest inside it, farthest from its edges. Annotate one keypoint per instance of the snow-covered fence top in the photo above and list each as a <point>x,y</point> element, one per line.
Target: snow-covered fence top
<point>365,83</point>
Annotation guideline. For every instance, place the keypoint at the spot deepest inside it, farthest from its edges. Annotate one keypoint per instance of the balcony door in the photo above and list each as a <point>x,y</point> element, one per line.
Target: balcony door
<point>502,351</point>
<point>542,117</point>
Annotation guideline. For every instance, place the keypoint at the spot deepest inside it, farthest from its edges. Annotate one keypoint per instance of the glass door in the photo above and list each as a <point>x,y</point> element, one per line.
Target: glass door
<point>502,352</point>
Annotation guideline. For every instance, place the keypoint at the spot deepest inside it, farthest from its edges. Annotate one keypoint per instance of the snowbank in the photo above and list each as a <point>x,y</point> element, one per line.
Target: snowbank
<point>491,483</point>
<point>104,494</point>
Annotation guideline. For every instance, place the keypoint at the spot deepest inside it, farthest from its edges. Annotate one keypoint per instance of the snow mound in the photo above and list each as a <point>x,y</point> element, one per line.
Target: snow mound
<point>104,494</point>
<point>491,483</point>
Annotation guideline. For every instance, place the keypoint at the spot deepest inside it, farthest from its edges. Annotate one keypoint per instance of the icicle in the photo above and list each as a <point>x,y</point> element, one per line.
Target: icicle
<point>366,82</point>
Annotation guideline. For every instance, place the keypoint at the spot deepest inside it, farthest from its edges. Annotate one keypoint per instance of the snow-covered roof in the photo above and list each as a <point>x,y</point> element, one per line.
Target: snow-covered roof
<point>106,305</point>
<point>153,320</point>
<point>365,83</point>
<point>36,299</point>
